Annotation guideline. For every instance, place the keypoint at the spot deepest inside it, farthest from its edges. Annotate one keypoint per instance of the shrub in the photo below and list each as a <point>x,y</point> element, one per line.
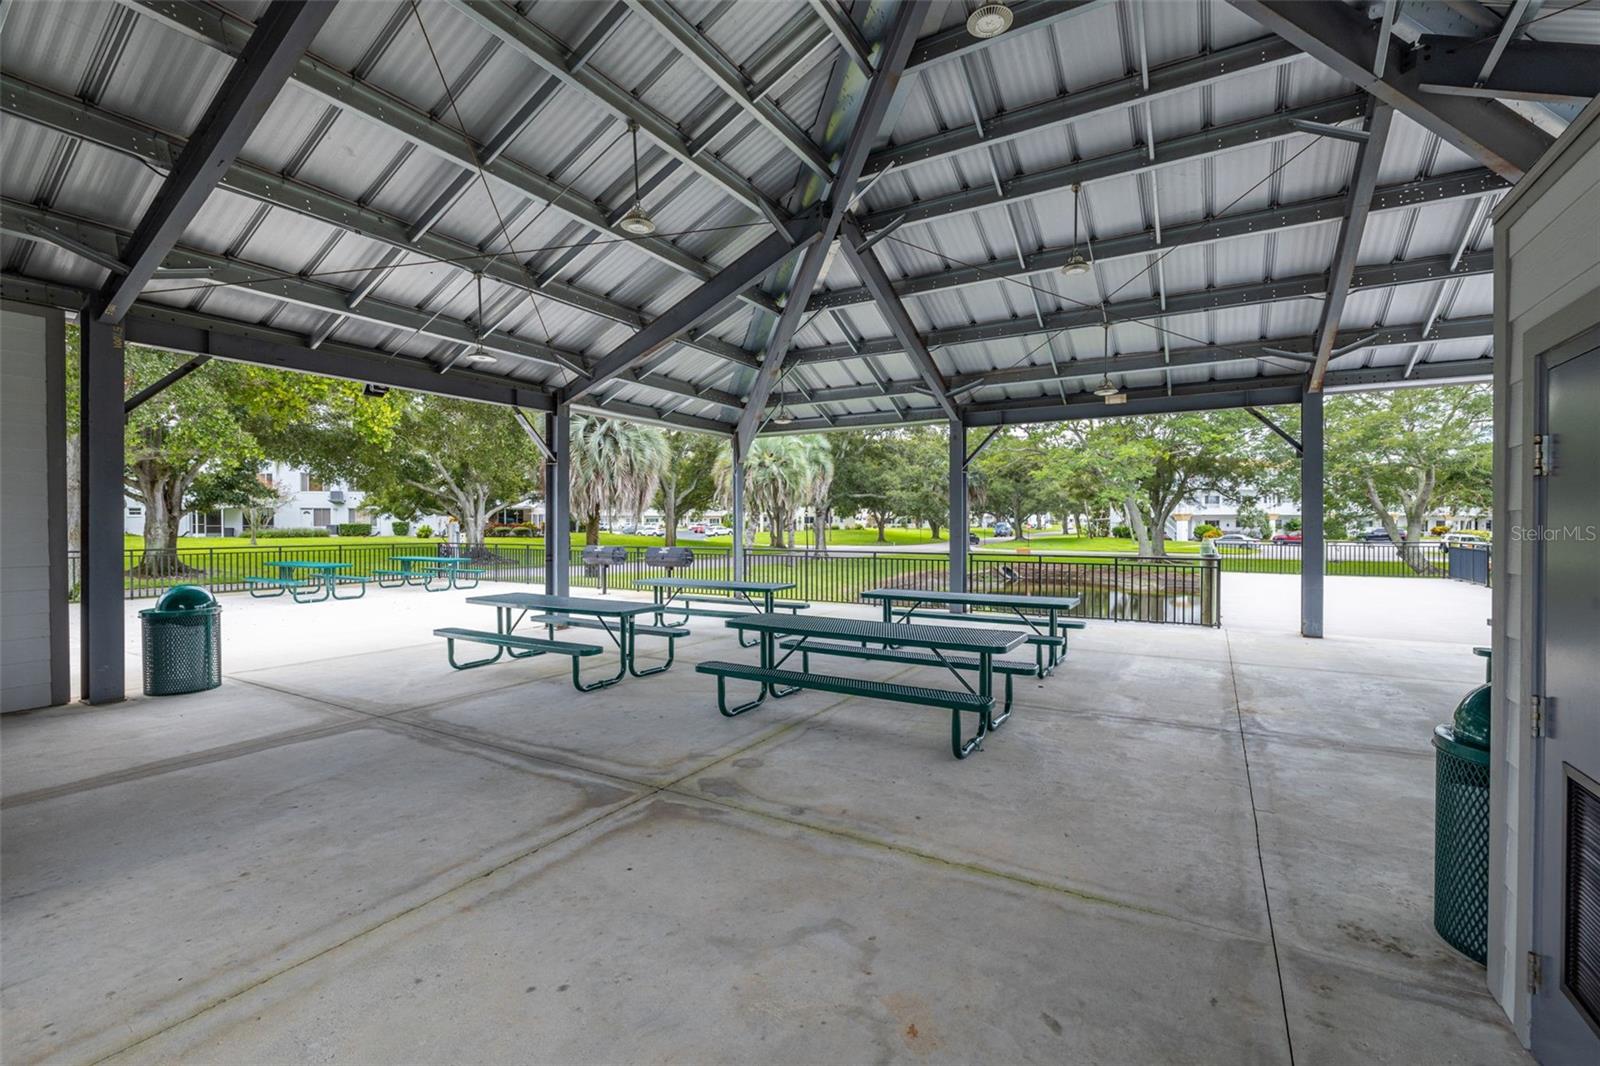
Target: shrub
<point>1125,532</point>
<point>355,529</point>
<point>424,532</point>
<point>400,529</point>
<point>523,529</point>
<point>1291,524</point>
<point>1439,529</point>
<point>1206,531</point>
<point>283,533</point>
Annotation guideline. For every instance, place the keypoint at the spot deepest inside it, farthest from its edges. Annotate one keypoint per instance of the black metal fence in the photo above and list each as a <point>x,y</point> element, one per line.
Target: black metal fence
<point>1172,590</point>
<point>1341,558</point>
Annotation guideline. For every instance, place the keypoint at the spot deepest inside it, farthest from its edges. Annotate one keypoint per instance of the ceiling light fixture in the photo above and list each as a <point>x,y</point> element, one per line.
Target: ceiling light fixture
<point>1076,265</point>
<point>990,20</point>
<point>478,355</point>
<point>1107,390</point>
<point>637,222</point>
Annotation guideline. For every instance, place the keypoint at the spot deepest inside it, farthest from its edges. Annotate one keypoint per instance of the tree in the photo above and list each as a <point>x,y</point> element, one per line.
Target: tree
<point>240,484</point>
<point>921,487</point>
<point>1008,470</point>
<point>688,481</point>
<point>782,474</point>
<point>440,455</point>
<point>1252,519</point>
<point>1165,459</point>
<point>1087,471</point>
<point>865,470</point>
<point>1409,451</point>
<point>616,467</point>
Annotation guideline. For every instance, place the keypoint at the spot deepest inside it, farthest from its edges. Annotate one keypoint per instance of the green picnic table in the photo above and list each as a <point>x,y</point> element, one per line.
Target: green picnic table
<point>430,568</point>
<point>758,596</point>
<point>617,618</point>
<point>1050,642</point>
<point>981,645</point>
<point>306,581</point>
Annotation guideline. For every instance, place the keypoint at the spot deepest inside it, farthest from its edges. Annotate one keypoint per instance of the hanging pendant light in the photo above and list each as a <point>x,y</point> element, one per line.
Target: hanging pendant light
<point>1076,265</point>
<point>637,222</point>
<point>478,355</point>
<point>1107,390</point>
<point>990,20</point>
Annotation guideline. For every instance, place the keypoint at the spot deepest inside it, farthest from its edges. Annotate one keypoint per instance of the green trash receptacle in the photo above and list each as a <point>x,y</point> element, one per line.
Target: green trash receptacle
<point>182,642</point>
<point>1461,827</point>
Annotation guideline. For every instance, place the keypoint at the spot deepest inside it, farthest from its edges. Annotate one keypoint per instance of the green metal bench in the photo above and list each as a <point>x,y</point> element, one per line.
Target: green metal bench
<point>1040,641</point>
<point>1007,668</point>
<point>786,682</point>
<point>513,645</point>
<point>672,633</point>
<point>278,585</point>
<point>792,606</point>
<point>385,578</point>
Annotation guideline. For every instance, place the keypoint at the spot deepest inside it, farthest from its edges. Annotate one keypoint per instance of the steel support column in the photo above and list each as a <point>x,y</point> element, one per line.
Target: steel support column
<point>958,506</point>
<point>1312,562</point>
<point>101,562</point>
<point>558,501</point>
<point>738,517</point>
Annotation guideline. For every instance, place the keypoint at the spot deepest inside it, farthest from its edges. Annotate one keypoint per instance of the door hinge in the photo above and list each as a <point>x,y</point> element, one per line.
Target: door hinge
<point>1541,454</point>
<point>1535,972</point>
<point>1538,723</point>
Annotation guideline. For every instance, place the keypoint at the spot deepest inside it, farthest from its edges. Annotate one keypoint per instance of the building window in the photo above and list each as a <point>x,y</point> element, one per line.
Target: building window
<point>1213,499</point>
<point>321,516</point>
<point>309,483</point>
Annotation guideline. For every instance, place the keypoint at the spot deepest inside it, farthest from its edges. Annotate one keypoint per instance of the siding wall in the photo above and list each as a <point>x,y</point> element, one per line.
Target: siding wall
<point>1547,289</point>
<point>33,619</point>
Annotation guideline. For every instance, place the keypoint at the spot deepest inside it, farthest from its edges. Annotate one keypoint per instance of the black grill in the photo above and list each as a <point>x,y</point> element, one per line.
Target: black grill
<point>668,558</point>
<point>596,558</point>
<point>1580,956</point>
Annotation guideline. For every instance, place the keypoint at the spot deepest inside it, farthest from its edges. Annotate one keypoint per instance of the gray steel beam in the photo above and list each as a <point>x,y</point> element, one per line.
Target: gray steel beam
<point>1546,71</point>
<point>1344,40</point>
<point>166,381</point>
<point>867,111</point>
<point>538,46</point>
<point>1312,562</point>
<point>870,271</point>
<point>1204,231</point>
<point>1379,276</point>
<point>1079,103</point>
<point>1277,430</point>
<point>157,150</point>
<point>1196,145</point>
<point>959,520</point>
<point>258,75</point>
<point>1358,205</point>
<point>737,492</point>
<point>270,283</point>
<point>102,560</point>
<point>227,33</point>
<point>698,305</point>
<point>1166,358</point>
<point>1025,15</point>
<point>1216,395</point>
<point>687,38</point>
<point>558,502</point>
<point>844,31</point>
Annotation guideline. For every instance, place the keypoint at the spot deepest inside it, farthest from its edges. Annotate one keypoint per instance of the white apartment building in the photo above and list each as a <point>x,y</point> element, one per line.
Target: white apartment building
<point>309,504</point>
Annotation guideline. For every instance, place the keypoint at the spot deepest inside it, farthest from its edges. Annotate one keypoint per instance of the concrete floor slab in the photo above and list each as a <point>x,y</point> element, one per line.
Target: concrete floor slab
<point>129,907</point>
<point>1131,683</point>
<point>1361,710</point>
<point>653,730</point>
<point>50,748</point>
<point>1416,659</point>
<point>1152,815</point>
<point>1340,886</point>
<point>1344,1014</point>
<point>783,951</point>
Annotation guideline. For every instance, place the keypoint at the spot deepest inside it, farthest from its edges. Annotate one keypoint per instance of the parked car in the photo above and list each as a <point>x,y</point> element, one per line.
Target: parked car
<point>973,540</point>
<point>1244,539</point>
<point>1286,537</point>
<point>657,530</point>
<point>698,527</point>
<point>1464,539</point>
<point>1378,536</point>
<point>1002,529</point>
<point>719,531</point>
<point>628,528</point>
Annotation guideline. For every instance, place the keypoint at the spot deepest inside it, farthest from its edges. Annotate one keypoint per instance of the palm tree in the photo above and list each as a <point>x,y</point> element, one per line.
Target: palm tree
<point>781,475</point>
<point>616,467</point>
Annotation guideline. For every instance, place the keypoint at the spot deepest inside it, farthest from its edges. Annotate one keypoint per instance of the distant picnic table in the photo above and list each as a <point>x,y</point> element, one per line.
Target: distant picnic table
<point>306,581</point>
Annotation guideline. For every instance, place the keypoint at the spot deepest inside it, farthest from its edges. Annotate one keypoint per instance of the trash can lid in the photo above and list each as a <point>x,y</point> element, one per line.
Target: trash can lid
<point>1449,741</point>
<point>185,598</point>
<point>1472,718</point>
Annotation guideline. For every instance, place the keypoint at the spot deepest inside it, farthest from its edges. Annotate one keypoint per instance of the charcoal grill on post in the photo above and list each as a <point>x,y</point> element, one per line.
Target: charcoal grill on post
<point>669,559</point>
<point>603,559</point>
